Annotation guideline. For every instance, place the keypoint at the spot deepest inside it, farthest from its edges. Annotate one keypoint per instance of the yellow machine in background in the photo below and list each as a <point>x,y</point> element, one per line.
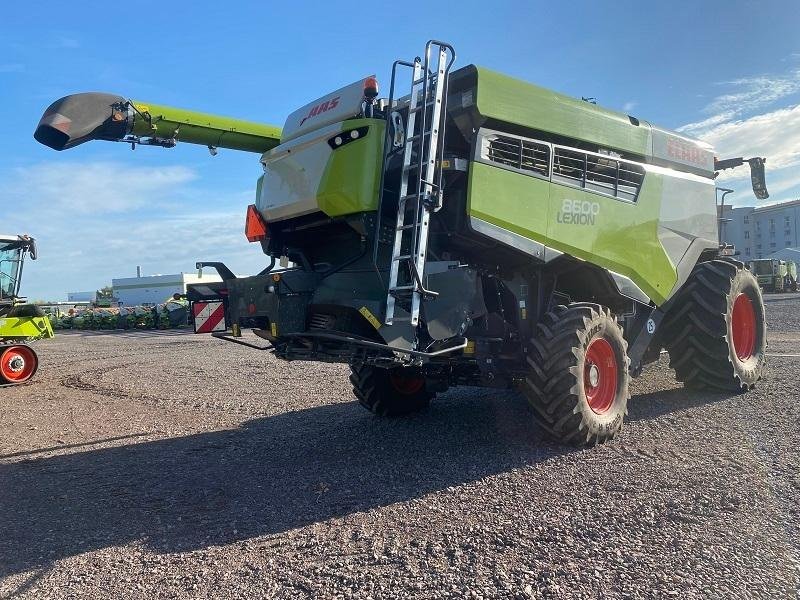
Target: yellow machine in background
<point>20,323</point>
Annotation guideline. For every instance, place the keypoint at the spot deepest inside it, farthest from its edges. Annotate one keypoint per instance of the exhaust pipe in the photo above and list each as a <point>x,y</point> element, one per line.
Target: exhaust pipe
<point>80,118</point>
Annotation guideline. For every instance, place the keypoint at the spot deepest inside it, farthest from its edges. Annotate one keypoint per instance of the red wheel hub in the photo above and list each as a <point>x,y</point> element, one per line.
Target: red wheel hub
<point>600,374</point>
<point>17,364</point>
<point>406,385</point>
<point>743,327</point>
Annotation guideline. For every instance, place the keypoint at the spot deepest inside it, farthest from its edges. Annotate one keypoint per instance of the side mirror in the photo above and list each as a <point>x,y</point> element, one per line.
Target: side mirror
<point>758,178</point>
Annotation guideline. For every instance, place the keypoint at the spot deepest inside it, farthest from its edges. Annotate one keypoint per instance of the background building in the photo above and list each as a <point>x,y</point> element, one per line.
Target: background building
<point>760,232</point>
<point>138,291</point>
<point>81,296</point>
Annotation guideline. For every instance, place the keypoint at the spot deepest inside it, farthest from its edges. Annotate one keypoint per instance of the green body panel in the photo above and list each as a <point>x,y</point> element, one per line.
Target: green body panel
<point>202,128</point>
<point>510,200</point>
<point>514,101</point>
<point>623,237</point>
<point>352,176</point>
<point>25,328</point>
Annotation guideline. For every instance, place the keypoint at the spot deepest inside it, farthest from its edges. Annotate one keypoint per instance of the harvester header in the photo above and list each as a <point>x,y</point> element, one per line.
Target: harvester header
<point>78,118</point>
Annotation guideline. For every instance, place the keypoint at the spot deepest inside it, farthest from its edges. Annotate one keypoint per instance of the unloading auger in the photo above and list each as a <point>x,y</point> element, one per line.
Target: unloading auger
<point>79,118</point>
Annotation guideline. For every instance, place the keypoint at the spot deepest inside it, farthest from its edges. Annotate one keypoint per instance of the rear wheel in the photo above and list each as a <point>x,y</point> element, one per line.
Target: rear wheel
<point>390,392</point>
<point>17,364</point>
<point>716,332</point>
<point>578,374</point>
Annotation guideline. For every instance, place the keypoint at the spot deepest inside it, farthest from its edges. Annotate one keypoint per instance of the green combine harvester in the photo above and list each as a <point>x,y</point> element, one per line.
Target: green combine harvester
<point>775,275</point>
<point>20,323</point>
<point>471,229</point>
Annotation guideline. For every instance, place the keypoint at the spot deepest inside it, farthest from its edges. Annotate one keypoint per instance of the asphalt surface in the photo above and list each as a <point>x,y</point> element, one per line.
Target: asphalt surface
<point>163,464</point>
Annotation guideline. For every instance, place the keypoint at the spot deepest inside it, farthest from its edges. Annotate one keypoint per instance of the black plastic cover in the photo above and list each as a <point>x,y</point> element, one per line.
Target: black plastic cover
<point>80,118</point>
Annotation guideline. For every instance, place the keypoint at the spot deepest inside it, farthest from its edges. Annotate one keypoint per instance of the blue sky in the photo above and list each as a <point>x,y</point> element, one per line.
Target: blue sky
<point>727,71</point>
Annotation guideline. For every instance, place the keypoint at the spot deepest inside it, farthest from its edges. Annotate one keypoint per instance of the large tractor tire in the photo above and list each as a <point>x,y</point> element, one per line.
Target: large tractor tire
<point>390,392</point>
<point>578,374</point>
<point>716,334</point>
<point>17,364</point>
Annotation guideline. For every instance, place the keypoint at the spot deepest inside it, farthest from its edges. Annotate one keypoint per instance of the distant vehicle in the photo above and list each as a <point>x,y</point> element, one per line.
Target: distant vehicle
<point>20,323</point>
<point>775,275</point>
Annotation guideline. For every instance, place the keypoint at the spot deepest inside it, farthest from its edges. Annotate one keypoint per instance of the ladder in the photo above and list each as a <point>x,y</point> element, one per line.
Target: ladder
<point>419,194</point>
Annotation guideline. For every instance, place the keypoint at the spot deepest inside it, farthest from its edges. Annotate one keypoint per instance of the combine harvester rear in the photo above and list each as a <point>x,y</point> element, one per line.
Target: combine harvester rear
<point>472,229</point>
<point>20,323</point>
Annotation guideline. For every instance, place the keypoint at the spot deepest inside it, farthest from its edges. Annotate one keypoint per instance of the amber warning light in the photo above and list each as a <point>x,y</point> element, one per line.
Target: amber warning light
<point>254,228</point>
<point>371,88</point>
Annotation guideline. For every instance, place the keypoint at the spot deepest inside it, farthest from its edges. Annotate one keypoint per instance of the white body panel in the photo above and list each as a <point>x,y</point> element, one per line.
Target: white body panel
<point>337,106</point>
<point>292,174</point>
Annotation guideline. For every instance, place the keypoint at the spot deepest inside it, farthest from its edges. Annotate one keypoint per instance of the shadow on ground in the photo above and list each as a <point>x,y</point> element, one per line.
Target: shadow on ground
<point>270,475</point>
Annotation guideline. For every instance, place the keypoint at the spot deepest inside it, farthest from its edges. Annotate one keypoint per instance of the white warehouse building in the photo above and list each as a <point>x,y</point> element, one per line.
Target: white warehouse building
<point>155,289</point>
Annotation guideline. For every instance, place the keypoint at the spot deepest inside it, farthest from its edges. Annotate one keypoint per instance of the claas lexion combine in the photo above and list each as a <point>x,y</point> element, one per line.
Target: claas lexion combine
<point>472,229</point>
<point>20,323</point>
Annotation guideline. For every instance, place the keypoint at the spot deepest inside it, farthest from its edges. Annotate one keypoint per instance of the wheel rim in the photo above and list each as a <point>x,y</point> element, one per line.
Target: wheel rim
<point>743,327</point>
<point>406,385</point>
<point>17,364</point>
<point>600,375</point>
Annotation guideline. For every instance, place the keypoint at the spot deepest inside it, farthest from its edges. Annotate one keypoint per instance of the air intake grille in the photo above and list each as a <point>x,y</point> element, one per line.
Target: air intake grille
<point>520,154</point>
<point>598,173</point>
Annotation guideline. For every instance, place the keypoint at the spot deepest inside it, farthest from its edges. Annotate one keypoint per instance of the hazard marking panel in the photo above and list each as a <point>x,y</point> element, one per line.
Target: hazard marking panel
<point>209,316</point>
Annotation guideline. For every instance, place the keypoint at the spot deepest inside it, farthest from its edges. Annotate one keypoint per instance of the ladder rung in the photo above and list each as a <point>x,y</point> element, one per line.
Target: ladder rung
<point>401,319</point>
<point>416,136</point>
<point>401,257</point>
<point>404,227</point>
<point>402,288</point>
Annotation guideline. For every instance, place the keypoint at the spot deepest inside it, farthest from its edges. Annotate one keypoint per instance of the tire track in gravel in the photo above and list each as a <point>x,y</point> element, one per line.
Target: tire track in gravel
<point>78,381</point>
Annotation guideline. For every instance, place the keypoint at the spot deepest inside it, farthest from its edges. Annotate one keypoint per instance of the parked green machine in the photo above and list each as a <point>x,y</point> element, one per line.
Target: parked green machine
<point>20,323</point>
<point>473,229</point>
<point>775,275</point>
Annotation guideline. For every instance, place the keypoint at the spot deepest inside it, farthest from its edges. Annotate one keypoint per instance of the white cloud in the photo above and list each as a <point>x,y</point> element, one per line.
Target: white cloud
<point>750,120</point>
<point>747,96</point>
<point>706,124</point>
<point>752,93</point>
<point>775,135</point>
<point>97,187</point>
<point>94,221</point>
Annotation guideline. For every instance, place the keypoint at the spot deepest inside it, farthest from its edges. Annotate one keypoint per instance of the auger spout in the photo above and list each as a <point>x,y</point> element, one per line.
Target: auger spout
<point>80,118</point>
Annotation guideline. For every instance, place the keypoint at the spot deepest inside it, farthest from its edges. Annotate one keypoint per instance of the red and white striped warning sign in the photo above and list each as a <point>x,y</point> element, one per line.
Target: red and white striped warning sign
<point>208,316</point>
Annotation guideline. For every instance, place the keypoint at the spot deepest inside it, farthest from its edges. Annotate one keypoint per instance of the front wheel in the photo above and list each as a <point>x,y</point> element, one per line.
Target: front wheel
<point>17,364</point>
<point>390,392</point>
<point>578,374</point>
<point>716,333</point>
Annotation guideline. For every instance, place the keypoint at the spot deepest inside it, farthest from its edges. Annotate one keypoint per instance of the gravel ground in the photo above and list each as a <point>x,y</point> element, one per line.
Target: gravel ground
<point>175,466</point>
